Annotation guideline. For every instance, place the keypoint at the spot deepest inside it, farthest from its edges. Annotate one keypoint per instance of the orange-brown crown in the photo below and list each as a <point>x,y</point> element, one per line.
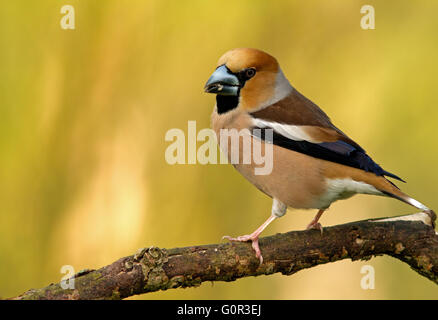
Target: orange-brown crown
<point>242,58</point>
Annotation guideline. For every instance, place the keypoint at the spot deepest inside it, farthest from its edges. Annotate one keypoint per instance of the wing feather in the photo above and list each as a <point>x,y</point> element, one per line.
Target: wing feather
<point>316,136</point>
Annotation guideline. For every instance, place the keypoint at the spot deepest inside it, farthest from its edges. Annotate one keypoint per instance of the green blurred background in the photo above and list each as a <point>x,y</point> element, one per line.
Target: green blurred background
<point>83,179</point>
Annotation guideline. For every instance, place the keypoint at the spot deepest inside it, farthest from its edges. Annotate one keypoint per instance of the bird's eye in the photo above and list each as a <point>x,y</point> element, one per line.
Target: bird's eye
<point>249,73</point>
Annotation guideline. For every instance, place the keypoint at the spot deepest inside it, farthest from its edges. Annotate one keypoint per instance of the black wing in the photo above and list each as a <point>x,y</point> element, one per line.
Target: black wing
<point>339,151</point>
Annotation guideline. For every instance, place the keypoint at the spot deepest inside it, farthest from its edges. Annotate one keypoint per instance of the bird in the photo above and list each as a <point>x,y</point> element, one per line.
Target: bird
<point>314,162</point>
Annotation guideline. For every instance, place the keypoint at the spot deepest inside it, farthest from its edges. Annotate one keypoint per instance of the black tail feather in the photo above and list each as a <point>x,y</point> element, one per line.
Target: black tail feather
<point>391,175</point>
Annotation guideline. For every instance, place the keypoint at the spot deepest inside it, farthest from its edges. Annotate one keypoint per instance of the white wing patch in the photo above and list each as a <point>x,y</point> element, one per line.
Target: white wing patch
<point>292,132</point>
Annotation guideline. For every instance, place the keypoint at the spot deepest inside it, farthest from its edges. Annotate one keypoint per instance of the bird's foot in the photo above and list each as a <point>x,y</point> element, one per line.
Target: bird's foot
<point>254,238</point>
<point>314,225</point>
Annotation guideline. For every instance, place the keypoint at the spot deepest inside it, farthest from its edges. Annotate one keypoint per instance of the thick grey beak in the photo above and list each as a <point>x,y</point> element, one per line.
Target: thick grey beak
<point>223,82</point>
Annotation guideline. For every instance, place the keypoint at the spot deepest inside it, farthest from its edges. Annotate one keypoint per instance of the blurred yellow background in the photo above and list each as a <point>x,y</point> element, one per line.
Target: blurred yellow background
<point>83,179</point>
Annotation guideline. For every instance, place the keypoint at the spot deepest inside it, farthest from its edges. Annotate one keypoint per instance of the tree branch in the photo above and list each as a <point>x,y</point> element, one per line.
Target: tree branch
<point>411,239</point>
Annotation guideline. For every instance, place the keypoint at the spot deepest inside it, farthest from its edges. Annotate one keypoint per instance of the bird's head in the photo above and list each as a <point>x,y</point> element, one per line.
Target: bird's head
<point>249,79</point>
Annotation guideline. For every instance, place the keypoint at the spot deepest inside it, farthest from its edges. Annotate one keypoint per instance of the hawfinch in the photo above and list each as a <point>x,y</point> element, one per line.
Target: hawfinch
<point>314,163</point>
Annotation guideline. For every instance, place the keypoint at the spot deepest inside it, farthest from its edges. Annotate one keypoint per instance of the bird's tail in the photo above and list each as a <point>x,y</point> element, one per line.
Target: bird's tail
<point>391,190</point>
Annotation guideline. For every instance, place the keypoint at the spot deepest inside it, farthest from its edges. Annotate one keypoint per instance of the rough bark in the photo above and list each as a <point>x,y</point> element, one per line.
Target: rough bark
<point>411,239</point>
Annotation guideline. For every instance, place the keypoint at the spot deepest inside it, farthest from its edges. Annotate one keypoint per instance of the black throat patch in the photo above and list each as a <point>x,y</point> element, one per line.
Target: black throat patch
<point>226,103</point>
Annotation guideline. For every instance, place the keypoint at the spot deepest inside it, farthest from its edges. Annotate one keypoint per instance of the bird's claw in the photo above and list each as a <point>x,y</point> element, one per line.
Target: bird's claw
<point>314,225</point>
<point>245,238</point>
<point>255,246</point>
